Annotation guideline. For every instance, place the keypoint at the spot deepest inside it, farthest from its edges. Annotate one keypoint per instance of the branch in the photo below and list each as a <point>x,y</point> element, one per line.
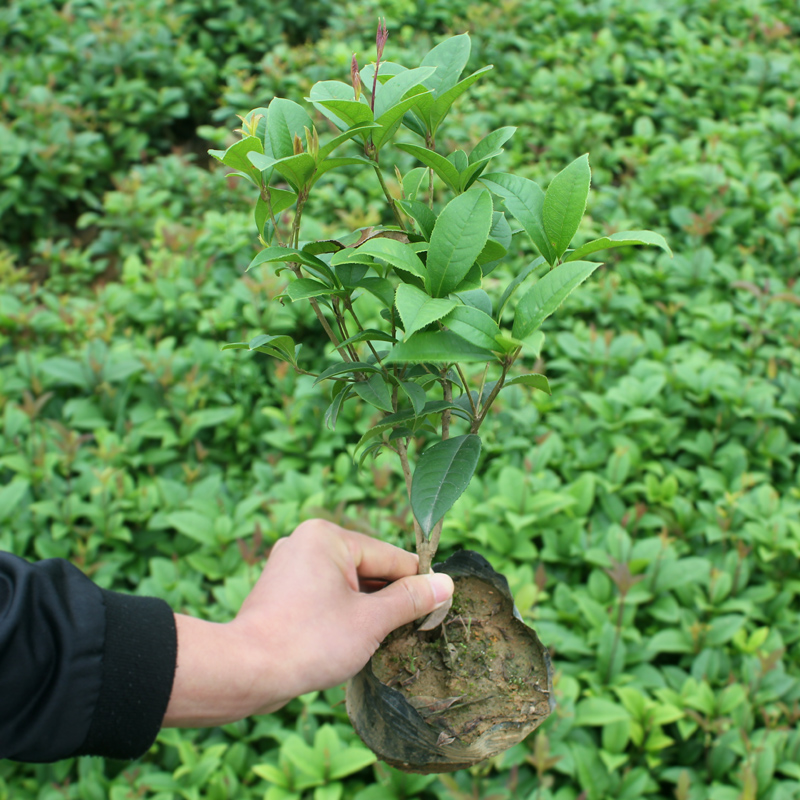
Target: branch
<point>447,395</point>
<point>491,398</point>
<point>466,389</point>
<point>389,198</point>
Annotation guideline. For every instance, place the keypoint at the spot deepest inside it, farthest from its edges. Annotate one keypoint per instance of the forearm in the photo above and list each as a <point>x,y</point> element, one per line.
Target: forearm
<point>222,675</point>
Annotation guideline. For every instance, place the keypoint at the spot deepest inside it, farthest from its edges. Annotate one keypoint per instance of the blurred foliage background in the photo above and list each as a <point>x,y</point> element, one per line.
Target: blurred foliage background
<point>646,514</point>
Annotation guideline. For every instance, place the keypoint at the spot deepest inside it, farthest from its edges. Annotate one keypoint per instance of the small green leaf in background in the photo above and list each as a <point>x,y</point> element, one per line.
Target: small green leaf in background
<point>565,202</point>
<point>443,473</point>
<point>599,711</point>
<point>458,237</point>
<point>547,294</point>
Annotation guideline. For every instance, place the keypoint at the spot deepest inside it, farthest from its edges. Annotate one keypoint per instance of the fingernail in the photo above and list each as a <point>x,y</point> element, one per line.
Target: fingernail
<point>442,586</point>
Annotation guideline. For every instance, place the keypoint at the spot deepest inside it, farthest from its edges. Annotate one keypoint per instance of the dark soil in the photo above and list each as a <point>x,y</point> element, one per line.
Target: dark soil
<point>474,671</point>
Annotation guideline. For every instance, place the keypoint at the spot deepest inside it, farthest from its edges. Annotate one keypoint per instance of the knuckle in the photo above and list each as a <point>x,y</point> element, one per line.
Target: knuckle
<point>311,528</point>
<point>414,596</point>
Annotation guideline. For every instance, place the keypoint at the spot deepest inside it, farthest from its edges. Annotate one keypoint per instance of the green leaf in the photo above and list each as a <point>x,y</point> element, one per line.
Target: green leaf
<point>417,309</point>
<point>347,762</point>
<point>421,214</point>
<point>565,202</point>
<point>198,527</point>
<point>261,161</point>
<point>352,113</point>
<point>437,347</point>
<point>369,335</point>
<point>473,325</point>
<point>491,144</point>
<point>236,158</point>
<point>332,412</point>
<point>277,255</point>
<point>381,288</point>
<point>598,711</point>
<point>285,120</point>
<point>433,111</point>
<point>332,791</point>
<point>375,392</point>
<point>492,252</point>
<point>413,183</point>
<point>10,496</point>
<point>281,346</point>
<point>303,288</point>
<point>280,200</point>
<point>416,394</point>
<point>390,120</point>
<point>271,773</point>
<point>389,94</point>
<point>326,149</point>
<point>332,90</point>
<point>458,237</point>
<point>512,287</point>
<point>398,254</point>
<point>476,298</point>
<point>621,239</point>
<point>298,170</point>
<point>438,163</point>
<point>524,199</point>
<point>449,59</point>
<point>533,379</point>
<point>405,417</point>
<point>723,629</point>
<point>458,158</point>
<point>344,368</point>
<point>334,163</point>
<point>443,473</point>
<point>547,294</point>
<point>482,155</point>
<point>387,70</point>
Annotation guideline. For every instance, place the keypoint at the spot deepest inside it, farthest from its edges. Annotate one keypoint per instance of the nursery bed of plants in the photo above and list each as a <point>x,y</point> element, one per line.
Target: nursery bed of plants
<point>646,514</point>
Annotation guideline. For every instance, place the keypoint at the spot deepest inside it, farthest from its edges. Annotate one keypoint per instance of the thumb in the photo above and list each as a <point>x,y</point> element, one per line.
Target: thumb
<point>408,599</point>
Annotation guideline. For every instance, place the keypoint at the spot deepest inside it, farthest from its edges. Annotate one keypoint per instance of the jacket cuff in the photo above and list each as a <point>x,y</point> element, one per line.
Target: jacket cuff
<point>139,659</point>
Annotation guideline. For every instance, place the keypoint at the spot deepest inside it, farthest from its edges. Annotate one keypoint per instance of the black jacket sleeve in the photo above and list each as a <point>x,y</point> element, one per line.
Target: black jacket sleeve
<point>83,671</point>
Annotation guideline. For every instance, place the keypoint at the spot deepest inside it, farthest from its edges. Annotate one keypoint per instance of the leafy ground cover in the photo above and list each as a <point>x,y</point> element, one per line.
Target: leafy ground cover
<point>646,514</point>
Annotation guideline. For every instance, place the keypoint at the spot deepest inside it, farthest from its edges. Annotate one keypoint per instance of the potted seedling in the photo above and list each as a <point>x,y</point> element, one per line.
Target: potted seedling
<point>419,341</point>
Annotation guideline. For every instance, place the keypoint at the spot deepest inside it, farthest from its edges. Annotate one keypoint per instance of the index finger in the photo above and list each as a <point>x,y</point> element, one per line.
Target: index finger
<point>379,560</point>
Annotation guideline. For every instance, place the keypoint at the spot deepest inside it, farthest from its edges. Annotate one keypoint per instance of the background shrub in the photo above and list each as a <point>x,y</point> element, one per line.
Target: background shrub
<point>646,514</point>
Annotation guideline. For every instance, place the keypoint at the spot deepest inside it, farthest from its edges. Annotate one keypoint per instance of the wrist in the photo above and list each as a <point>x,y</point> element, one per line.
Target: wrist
<point>219,677</point>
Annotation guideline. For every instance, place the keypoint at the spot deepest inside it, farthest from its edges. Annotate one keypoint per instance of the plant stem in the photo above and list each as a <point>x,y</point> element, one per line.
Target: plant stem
<point>430,143</point>
<point>389,198</point>
<point>349,306</point>
<point>491,398</point>
<point>301,202</point>
<point>483,384</point>
<point>342,323</point>
<point>617,634</point>
<point>421,543</point>
<point>266,196</point>
<point>294,267</point>
<point>466,389</point>
<point>447,395</point>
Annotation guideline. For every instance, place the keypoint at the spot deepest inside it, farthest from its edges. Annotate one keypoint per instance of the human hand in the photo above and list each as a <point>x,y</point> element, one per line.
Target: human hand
<point>306,625</point>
